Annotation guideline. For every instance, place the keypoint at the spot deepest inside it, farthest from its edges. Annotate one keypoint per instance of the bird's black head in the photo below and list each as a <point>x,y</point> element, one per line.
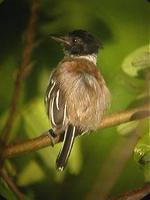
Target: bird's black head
<point>79,42</point>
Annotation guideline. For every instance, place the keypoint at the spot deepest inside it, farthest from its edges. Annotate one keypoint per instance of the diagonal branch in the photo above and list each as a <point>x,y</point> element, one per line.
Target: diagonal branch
<point>12,185</point>
<point>109,121</point>
<point>139,193</point>
<point>26,57</point>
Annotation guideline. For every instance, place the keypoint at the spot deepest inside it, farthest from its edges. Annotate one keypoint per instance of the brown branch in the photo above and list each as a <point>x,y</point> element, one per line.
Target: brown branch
<point>21,73</point>
<point>44,140</point>
<point>12,185</point>
<point>136,194</point>
<point>26,56</point>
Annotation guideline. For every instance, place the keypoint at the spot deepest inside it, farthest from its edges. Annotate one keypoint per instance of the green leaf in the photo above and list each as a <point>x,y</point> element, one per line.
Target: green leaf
<point>142,150</point>
<point>30,174</point>
<point>137,61</point>
<point>127,128</point>
<point>35,119</point>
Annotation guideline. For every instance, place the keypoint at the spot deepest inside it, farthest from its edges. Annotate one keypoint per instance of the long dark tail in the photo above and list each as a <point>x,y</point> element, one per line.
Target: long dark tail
<point>64,153</point>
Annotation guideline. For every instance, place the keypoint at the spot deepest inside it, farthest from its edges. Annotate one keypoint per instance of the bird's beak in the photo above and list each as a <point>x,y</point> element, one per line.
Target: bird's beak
<point>62,39</point>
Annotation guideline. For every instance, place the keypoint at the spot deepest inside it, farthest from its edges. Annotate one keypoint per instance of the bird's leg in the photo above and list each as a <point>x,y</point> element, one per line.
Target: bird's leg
<point>52,135</point>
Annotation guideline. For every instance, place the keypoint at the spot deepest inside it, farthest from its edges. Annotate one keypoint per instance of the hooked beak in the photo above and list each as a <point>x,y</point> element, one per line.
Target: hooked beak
<point>62,39</point>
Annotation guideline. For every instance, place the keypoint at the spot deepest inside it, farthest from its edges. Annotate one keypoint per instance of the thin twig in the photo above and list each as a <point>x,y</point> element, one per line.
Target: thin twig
<point>29,45</point>
<point>136,194</point>
<point>12,185</point>
<point>26,56</point>
<point>44,140</point>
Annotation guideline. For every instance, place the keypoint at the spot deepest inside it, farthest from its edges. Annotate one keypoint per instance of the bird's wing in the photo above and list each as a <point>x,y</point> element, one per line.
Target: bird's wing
<point>57,113</point>
<point>55,105</point>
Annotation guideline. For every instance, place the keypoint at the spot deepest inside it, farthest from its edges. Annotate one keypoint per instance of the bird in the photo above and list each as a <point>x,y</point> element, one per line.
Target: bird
<point>77,95</point>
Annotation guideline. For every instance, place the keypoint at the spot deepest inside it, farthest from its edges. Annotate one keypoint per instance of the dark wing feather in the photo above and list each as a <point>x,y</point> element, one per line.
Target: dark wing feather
<point>66,148</point>
<point>55,105</point>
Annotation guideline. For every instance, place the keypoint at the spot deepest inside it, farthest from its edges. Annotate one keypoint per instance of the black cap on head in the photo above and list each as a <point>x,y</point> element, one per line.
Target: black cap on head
<point>79,42</point>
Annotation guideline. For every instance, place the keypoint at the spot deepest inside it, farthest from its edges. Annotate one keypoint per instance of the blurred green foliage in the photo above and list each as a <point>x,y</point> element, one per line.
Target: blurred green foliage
<point>6,192</point>
<point>122,27</point>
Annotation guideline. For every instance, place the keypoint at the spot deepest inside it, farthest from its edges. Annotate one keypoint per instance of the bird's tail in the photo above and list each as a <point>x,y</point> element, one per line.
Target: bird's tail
<point>64,153</point>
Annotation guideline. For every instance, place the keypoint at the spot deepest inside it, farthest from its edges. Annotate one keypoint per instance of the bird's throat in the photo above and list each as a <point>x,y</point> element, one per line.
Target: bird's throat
<point>92,58</point>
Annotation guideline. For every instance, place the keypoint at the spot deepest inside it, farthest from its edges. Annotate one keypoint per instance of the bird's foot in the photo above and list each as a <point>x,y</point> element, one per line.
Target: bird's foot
<point>52,135</point>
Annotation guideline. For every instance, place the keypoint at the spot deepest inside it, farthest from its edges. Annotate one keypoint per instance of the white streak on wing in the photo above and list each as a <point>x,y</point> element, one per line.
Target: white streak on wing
<point>64,114</point>
<point>57,100</point>
<point>49,94</point>
<point>71,142</point>
<point>52,111</point>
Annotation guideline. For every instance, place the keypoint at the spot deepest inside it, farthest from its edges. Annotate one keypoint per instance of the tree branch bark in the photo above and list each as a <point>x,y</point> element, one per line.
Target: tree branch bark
<point>22,70</point>
<point>45,140</point>
<point>12,185</point>
<point>26,57</point>
<point>136,194</point>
